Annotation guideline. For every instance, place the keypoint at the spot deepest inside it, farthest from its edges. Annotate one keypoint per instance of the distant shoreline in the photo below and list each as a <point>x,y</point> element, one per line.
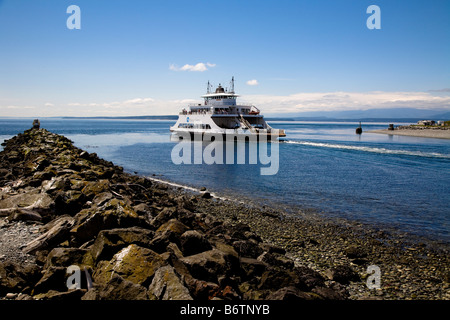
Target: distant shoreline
<point>424,133</point>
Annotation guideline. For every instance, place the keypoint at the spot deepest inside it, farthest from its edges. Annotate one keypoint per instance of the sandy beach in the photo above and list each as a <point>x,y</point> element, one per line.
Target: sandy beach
<point>423,132</point>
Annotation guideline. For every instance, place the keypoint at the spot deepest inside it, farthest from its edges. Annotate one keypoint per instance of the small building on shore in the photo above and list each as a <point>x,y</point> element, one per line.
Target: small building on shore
<point>426,122</point>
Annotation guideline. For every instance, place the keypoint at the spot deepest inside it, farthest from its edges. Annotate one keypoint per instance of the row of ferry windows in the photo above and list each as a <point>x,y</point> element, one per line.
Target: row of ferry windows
<point>194,126</point>
<point>220,97</point>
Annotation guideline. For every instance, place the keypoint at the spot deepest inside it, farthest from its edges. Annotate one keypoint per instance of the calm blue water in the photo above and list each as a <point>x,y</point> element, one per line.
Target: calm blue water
<point>394,181</point>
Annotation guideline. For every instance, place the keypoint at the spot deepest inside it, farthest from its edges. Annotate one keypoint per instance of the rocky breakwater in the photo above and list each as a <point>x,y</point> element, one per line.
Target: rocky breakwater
<point>131,238</point>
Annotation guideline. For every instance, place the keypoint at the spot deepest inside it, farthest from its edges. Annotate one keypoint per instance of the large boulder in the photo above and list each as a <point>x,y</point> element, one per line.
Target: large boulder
<point>169,232</point>
<point>193,242</point>
<point>113,214</point>
<point>16,278</point>
<point>117,288</point>
<point>40,203</point>
<point>109,242</point>
<point>208,265</point>
<point>70,202</point>
<point>306,278</point>
<point>55,184</point>
<point>166,285</point>
<point>172,225</point>
<point>248,248</point>
<point>132,263</point>
<point>94,188</point>
<point>303,278</point>
<point>252,269</point>
<point>65,257</point>
<point>53,278</point>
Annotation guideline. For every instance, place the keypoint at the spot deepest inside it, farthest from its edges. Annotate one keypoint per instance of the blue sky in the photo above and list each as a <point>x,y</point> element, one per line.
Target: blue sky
<point>139,57</point>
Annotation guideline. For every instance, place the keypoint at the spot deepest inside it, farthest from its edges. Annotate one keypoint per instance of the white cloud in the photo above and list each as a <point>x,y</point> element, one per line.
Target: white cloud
<point>340,101</point>
<point>6,109</point>
<point>253,82</point>
<point>269,104</point>
<point>48,104</point>
<point>138,101</point>
<point>189,67</point>
<point>130,107</point>
<point>299,102</point>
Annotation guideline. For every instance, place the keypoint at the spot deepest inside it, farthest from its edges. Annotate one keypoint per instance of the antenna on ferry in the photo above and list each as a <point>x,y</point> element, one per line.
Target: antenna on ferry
<point>232,85</point>
<point>207,89</point>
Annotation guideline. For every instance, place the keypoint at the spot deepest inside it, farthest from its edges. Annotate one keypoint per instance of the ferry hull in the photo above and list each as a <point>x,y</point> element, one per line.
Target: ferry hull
<point>274,134</point>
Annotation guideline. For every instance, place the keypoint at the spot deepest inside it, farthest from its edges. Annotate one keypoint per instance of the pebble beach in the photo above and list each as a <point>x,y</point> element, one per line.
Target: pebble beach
<point>417,131</point>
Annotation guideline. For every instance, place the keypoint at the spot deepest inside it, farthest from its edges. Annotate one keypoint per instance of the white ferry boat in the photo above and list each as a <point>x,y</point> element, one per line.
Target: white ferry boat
<point>220,114</point>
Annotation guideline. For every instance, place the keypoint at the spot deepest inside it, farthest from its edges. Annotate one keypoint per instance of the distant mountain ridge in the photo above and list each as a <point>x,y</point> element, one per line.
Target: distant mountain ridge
<point>164,117</point>
<point>394,113</point>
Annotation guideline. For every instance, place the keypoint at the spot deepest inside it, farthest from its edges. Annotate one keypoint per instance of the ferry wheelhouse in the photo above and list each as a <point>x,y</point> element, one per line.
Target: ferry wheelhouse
<point>220,114</point>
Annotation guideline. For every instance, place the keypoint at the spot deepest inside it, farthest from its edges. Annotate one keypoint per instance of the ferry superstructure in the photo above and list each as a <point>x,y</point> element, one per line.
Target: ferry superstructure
<point>220,114</point>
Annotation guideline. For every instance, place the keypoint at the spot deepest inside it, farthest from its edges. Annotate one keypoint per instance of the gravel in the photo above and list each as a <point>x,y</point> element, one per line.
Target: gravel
<point>15,235</point>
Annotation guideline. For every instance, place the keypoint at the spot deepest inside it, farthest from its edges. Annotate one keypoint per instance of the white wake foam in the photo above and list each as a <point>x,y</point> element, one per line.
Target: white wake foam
<point>371,149</point>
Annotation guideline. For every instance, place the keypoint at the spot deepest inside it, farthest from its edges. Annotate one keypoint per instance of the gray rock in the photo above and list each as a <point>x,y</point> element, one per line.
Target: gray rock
<point>210,264</point>
<point>276,259</point>
<point>355,252</point>
<point>206,195</point>
<point>247,248</point>
<point>54,278</point>
<point>193,242</point>
<point>252,268</point>
<point>342,274</point>
<point>109,242</point>
<point>33,201</point>
<point>113,214</point>
<point>166,285</point>
<point>16,277</point>
<point>64,257</point>
<point>117,288</point>
<point>133,263</point>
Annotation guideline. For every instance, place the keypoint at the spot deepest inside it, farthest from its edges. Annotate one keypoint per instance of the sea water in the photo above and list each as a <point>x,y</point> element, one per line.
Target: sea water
<point>382,180</point>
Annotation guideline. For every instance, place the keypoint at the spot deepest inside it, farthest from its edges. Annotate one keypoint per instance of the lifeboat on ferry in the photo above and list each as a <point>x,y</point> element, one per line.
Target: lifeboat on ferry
<point>254,111</point>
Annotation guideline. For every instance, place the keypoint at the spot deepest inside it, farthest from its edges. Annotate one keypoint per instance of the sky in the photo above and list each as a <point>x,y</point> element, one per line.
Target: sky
<point>154,57</point>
